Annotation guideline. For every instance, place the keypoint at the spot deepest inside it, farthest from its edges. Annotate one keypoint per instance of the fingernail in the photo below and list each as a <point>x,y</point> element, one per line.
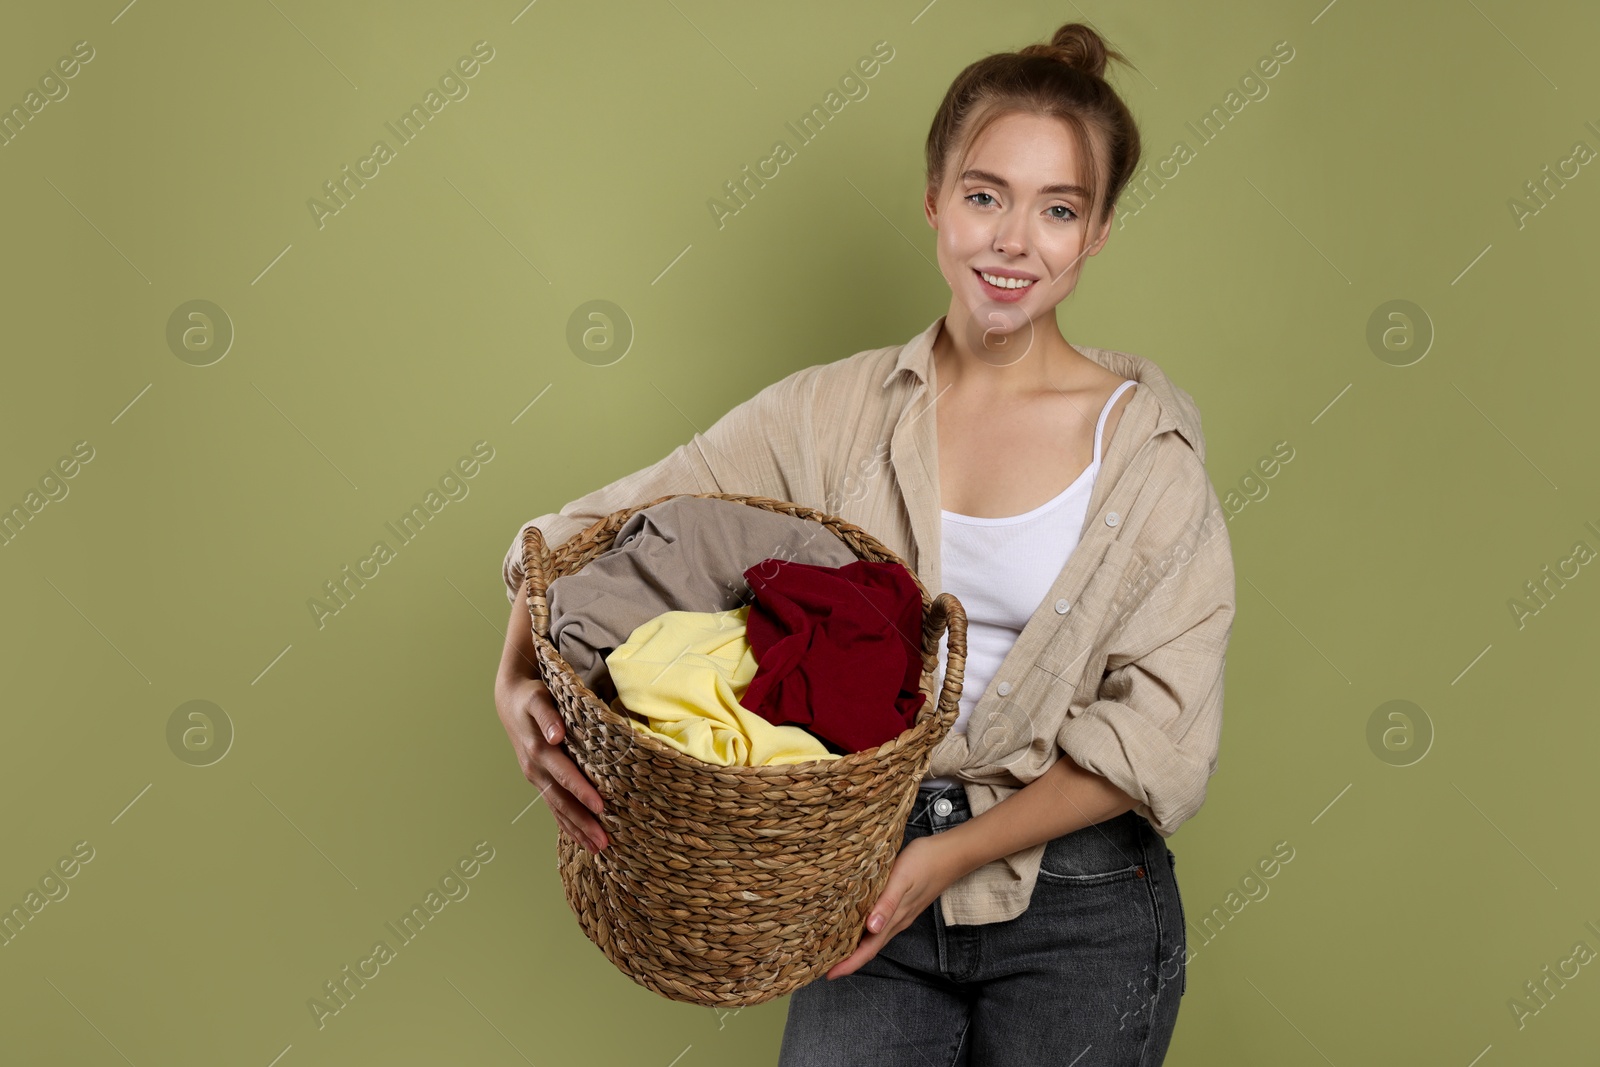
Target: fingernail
<point>551,733</point>
<point>875,923</point>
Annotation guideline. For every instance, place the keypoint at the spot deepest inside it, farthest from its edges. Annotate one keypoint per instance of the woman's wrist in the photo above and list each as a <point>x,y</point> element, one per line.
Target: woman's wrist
<point>515,669</point>
<point>959,852</point>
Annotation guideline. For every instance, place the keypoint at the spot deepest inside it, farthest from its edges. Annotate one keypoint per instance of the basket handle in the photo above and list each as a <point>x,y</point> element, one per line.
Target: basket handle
<point>535,561</point>
<point>946,612</point>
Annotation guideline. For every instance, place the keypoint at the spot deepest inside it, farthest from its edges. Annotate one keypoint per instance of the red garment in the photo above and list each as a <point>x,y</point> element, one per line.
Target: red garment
<point>838,649</point>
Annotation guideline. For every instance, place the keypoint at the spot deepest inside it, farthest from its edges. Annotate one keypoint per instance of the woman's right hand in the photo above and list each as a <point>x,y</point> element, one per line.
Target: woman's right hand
<point>533,722</point>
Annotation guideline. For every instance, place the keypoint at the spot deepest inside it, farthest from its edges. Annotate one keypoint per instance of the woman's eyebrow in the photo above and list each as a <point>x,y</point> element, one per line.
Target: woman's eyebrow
<point>995,179</point>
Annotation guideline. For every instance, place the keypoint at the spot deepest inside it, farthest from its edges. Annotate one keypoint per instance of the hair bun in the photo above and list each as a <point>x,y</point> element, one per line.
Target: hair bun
<point>1075,44</point>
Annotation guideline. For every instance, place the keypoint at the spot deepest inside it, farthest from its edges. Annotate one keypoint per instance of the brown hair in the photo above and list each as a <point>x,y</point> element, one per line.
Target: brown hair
<point>1062,79</point>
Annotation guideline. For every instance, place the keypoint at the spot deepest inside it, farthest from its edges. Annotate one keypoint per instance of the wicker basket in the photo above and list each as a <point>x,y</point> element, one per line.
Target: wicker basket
<point>729,886</point>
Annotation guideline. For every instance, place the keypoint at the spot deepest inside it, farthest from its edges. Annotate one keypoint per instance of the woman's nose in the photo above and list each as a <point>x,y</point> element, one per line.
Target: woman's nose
<point>1008,239</point>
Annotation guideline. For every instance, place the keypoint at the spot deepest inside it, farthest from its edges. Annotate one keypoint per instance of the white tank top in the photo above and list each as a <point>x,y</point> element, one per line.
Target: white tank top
<point>1000,568</point>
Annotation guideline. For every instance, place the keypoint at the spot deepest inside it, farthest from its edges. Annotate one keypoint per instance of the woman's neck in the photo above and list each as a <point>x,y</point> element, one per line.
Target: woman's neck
<point>1032,358</point>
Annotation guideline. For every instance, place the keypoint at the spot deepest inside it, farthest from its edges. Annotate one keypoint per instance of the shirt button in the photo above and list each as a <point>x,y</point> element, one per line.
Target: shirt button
<point>1003,688</point>
<point>943,806</point>
<point>1112,518</point>
<point>1062,606</point>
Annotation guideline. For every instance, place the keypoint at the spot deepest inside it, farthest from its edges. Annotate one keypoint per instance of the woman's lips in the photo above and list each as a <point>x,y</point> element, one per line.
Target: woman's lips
<point>994,292</point>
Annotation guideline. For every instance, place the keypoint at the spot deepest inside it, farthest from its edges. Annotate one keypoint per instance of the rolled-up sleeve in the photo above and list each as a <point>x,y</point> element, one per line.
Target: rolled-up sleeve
<point>1156,725</point>
<point>765,446</point>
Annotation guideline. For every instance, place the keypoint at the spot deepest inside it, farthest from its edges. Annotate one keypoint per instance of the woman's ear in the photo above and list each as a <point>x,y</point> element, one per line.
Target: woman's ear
<point>930,206</point>
<point>1105,233</point>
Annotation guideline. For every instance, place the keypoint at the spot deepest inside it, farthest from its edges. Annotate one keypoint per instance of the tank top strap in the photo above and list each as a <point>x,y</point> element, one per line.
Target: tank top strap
<point>1099,426</point>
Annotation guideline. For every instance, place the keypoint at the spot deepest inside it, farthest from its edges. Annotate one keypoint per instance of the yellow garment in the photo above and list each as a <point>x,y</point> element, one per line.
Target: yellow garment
<point>683,672</point>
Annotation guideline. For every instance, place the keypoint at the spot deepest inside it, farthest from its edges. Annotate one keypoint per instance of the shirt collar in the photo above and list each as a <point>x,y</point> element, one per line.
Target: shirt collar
<point>1177,408</point>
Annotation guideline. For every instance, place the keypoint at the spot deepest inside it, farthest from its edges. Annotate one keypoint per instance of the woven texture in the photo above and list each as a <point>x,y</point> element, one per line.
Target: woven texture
<point>729,886</point>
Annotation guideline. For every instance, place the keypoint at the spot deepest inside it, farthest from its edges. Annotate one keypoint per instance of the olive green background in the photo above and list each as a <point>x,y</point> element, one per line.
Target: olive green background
<point>1436,867</point>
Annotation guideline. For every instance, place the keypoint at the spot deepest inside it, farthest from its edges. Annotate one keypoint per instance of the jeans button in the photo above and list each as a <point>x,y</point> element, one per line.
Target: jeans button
<point>943,806</point>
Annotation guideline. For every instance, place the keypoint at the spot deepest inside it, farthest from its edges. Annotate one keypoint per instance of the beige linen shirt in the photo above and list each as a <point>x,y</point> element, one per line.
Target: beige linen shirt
<point>1120,666</point>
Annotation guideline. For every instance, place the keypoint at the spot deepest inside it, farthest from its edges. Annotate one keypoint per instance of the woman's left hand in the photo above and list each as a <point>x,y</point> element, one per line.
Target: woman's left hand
<point>925,867</point>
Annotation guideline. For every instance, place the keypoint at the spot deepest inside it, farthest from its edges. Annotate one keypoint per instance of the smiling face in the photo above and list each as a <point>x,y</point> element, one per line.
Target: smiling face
<point>1018,212</point>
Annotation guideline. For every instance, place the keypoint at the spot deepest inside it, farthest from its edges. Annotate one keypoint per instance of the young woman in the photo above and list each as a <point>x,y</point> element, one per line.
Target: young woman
<point>1032,914</point>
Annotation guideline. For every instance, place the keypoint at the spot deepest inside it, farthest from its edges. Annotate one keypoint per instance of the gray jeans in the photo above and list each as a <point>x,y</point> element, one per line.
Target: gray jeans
<point>1090,974</point>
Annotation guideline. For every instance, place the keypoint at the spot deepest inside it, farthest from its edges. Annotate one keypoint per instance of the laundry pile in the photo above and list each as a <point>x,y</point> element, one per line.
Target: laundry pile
<point>743,636</point>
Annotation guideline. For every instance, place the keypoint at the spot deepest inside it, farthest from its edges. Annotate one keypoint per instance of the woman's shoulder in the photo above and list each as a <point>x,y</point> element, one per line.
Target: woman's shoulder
<point>848,377</point>
<point>1176,408</point>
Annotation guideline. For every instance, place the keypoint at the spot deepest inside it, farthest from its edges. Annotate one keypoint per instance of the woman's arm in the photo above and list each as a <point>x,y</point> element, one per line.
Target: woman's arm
<point>1155,725</point>
<point>1150,739</point>
<point>534,725</point>
<point>516,658</point>
<point>1062,799</point>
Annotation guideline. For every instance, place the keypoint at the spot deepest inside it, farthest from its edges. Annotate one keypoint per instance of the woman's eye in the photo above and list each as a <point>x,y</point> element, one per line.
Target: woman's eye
<point>976,195</point>
<point>1070,214</point>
